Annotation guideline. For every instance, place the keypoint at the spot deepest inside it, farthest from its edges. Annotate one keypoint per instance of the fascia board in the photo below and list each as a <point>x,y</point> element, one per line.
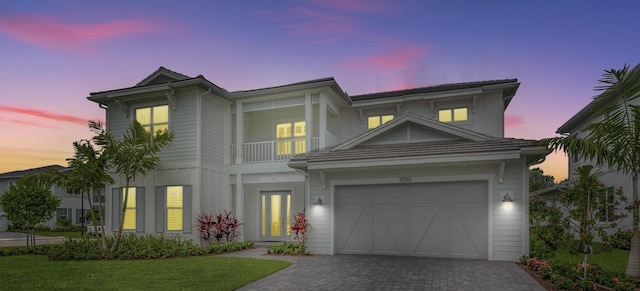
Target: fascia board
<point>417,96</point>
<point>454,158</point>
<point>280,90</point>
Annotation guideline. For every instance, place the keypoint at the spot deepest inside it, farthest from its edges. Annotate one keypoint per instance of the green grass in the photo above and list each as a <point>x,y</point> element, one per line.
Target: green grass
<point>31,272</point>
<point>614,260</point>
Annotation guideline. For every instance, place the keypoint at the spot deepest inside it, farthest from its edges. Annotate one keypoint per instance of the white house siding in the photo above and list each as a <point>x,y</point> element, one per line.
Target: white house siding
<point>213,123</point>
<point>183,125</point>
<point>510,223</point>
<point>503,245</point>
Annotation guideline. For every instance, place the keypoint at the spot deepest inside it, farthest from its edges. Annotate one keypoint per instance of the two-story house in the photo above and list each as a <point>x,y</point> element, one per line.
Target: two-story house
<point>71,204</point>
<point>612,178</point>
<point>417,172</point>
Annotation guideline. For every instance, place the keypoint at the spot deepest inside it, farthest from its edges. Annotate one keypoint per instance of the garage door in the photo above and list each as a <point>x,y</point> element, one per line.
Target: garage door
<point>427,219</point>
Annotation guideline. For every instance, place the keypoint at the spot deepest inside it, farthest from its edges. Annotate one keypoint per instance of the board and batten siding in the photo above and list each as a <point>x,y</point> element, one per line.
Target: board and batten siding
<point>183,125</point>
<point>508,225</point>
<point>213,125</point>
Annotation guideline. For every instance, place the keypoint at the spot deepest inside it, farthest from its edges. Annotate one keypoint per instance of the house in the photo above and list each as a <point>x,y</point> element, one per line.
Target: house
<point>417,172</point>
<point>71,205</point>
<point>611,178</point>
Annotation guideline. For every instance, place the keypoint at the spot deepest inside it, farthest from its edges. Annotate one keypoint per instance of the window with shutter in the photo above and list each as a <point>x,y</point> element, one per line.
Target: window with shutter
<point>291,135</point>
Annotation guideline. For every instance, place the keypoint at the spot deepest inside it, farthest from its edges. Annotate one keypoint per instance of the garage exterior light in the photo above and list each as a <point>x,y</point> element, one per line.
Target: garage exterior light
<point>507,198</point>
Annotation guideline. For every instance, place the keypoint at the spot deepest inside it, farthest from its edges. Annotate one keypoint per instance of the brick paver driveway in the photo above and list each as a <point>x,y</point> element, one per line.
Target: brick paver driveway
<point>360,272</point>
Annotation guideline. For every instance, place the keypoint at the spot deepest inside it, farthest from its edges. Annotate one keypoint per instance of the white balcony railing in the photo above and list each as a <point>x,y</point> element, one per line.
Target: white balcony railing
<point>272,151</point>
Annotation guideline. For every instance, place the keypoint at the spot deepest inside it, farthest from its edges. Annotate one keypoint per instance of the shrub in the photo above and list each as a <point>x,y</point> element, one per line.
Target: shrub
<point>539,249</point>
<point>222,228</point>
<point>621,239</point>
<point>570,277</point>
<point>287,248</point>
<point>133,247</point>
<point>300,227</point>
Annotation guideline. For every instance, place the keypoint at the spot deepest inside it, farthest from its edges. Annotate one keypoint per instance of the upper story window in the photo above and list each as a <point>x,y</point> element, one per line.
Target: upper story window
<point>377,120</point>
<point>291,135</point>
<point>154,118</point>
<point>453,114</point>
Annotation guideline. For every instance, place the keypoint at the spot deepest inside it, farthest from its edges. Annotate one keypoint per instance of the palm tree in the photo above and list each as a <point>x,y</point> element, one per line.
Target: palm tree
<point>133,155</point>
<point>87,173</point>
<point>613,142</point>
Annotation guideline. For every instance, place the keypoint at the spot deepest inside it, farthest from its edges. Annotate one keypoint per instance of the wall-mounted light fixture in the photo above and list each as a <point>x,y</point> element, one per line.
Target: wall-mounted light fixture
<point>318,201</point>
<point>507,198</point>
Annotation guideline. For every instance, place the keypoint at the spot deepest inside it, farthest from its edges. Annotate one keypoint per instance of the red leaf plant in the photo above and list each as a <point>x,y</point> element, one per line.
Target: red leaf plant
<point>222,228</point>
<point>300,227</point>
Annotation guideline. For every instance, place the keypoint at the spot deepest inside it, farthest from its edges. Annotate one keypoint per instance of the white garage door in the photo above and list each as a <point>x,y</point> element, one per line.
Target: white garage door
<point>427,219</point>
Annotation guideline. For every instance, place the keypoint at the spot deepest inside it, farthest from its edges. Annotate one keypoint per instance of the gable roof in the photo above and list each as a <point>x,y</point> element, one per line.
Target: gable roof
<point>412,118</point>
<point>162,80</point>
<point>447,151</point>
<point>162,75</point>
<point>22,173</point>
<point>509,87</point>
<point>309,84</point>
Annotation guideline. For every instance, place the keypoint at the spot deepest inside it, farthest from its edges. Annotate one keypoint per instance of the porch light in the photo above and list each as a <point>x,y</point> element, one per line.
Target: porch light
<point>318,201</point>
<point>507,198</point>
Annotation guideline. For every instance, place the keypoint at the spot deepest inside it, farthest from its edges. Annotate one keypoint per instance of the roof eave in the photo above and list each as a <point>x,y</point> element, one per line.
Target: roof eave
<point>331,83</point>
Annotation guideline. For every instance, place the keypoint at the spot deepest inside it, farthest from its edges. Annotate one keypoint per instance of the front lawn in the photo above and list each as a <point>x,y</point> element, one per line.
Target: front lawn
<point>614,260</point>
<point>190,273</point>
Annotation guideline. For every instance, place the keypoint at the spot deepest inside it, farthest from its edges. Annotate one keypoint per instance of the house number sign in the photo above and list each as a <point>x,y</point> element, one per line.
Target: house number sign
<point>405,179</point>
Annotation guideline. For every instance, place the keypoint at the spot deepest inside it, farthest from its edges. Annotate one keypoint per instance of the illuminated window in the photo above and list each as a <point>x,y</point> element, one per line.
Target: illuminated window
<point>291,134</point>
<point>377,120</point>
<point>153,119</point>
<point>130,214</point>
<point>453,114</point>
<point>174,208</point>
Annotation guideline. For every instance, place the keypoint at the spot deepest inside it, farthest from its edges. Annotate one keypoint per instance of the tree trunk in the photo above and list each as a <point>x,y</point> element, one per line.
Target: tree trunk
<point>116,240</point>
<point>633,266</point>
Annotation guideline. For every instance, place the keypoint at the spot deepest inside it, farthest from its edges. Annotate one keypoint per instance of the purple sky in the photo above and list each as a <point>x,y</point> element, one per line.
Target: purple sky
<point>54,53</point>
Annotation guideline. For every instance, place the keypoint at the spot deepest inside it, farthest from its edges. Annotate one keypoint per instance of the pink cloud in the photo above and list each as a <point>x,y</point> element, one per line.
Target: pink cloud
<point>47,31</point>
<point>397,59</point>
<point>513,120</point>
<point>24,122</point>
<point>44,114</point>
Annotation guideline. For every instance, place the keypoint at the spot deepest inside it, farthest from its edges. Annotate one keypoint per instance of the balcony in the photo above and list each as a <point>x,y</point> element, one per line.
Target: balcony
<point>272,151</point>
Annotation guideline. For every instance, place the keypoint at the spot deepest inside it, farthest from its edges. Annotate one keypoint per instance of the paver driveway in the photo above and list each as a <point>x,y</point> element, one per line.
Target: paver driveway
<point>364,272</point>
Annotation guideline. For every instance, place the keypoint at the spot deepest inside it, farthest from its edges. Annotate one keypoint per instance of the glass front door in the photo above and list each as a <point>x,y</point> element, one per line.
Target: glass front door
<point>275,216</point>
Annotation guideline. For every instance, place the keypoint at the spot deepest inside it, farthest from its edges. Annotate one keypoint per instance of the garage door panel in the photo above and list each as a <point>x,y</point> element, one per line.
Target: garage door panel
<point>355,228</point>
<point>428,229</point>
<point>389,228</point>
<point>468,230</point>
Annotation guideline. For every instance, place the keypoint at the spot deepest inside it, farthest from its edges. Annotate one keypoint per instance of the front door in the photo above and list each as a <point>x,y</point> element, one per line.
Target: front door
<point>275,216</point>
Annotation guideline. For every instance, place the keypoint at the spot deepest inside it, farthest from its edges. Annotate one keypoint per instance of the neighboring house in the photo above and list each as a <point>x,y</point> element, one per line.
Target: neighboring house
<point>419,172</point>
<point>611,178</point>
<point>70,204</point>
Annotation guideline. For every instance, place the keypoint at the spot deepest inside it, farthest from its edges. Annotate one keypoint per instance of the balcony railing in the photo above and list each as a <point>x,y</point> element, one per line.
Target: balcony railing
<point>272,151</point>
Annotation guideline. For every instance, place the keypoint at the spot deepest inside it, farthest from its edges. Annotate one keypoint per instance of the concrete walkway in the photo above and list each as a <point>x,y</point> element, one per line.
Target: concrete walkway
<point>16,239</point>
<point>364,272</point>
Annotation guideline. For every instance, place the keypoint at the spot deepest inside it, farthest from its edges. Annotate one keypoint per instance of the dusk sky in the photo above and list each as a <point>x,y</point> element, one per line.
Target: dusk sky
<point>54,53</point>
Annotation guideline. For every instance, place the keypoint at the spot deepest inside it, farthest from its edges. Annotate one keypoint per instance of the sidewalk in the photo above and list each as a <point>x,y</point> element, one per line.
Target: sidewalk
<point>16,239</point>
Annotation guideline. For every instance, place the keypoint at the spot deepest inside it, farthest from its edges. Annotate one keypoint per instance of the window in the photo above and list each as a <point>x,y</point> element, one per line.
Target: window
<point>130,214</point>
<point>291,134</point>
<point>62,213</point>
<point>377,120</point>
<point>453,114</point>
<point>153,119</point>
<point>607,206</point>
<point>174,208</point>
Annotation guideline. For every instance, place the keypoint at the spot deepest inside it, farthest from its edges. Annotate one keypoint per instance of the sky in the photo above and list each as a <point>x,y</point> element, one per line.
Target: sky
<point>54,53</point>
